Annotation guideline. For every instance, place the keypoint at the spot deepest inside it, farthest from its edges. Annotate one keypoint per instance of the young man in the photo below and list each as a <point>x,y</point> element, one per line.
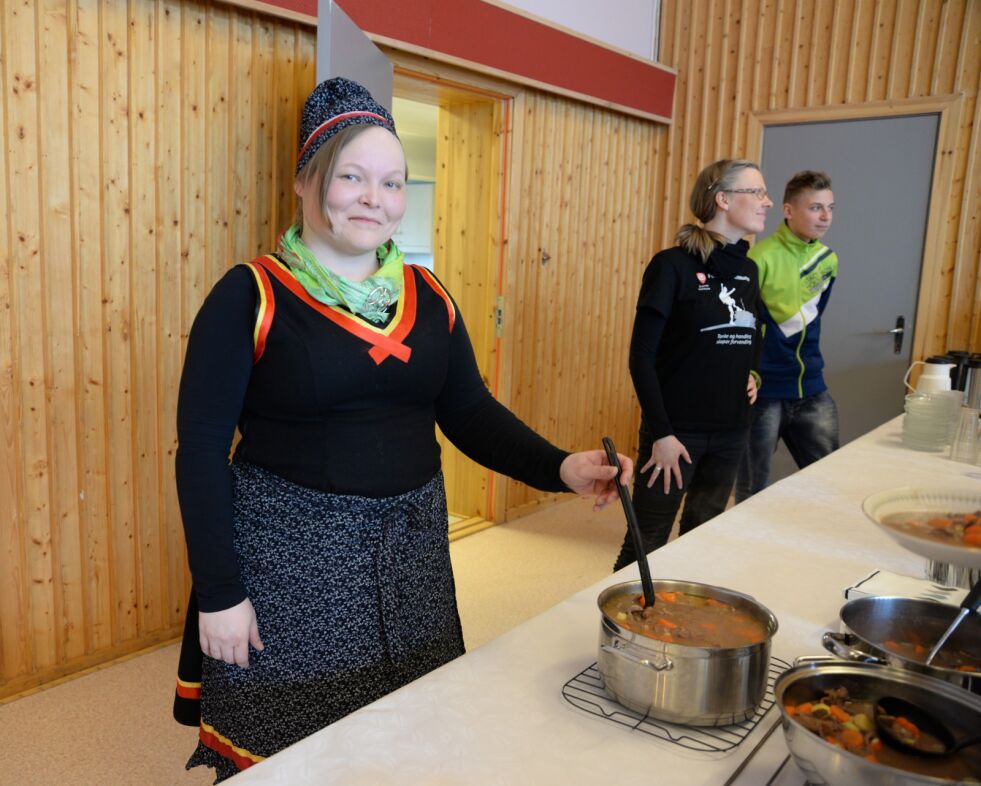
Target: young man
<point>796,274</point>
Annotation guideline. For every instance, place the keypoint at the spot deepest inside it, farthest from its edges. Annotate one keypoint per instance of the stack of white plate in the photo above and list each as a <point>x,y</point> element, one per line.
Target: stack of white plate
<point>930,419</point>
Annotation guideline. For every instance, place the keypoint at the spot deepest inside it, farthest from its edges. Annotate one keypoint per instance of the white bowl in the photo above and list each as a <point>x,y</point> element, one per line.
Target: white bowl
<point>939,499</point>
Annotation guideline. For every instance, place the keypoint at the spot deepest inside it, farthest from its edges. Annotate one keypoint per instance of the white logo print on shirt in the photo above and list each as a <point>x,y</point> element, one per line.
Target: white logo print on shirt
<point>738,317</point>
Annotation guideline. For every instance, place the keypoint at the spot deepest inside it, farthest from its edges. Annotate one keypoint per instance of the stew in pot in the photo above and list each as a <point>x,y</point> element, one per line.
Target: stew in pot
<point>848,723</point>
<point>680,618</point>
<point>912,647</point>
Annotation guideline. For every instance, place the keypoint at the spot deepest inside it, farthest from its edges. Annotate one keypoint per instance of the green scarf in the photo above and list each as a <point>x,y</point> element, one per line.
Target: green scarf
<point>370,298</point>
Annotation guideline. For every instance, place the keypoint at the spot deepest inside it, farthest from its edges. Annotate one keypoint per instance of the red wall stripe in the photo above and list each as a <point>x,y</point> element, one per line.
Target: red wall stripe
<point>490,36</point>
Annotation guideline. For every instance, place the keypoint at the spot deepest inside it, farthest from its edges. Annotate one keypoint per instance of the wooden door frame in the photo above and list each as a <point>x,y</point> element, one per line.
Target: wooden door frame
<point>420,79</point>
<point>931,293</point>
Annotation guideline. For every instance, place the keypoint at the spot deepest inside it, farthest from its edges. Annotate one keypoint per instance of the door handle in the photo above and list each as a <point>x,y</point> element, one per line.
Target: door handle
<point>897,334</point>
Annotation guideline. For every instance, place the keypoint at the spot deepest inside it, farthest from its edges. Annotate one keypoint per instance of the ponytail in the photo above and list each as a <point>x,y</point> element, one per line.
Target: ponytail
<point>698,241</point>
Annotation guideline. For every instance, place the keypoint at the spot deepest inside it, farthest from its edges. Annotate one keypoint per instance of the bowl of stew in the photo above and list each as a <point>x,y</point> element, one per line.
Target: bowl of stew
<point>827,715</point>
<point>939,523</point>
<point>699,655</point>
<point>900,632</point>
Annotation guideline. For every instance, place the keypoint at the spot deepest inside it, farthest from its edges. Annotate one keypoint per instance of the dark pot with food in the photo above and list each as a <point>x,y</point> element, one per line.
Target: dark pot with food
<point>699,656</point>
<point>828,712</point>
<point>900,632</point>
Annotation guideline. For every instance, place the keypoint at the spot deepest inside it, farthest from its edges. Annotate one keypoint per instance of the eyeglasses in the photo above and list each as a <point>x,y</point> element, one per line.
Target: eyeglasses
<point>759,193</point>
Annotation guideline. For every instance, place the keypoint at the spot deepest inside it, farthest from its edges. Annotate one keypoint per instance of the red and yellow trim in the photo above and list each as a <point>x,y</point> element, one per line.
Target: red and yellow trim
<point>265,312</point>
<point>438,289</point>
<point>385,341</point>
<point>188,690</point>
<point>223,746</point>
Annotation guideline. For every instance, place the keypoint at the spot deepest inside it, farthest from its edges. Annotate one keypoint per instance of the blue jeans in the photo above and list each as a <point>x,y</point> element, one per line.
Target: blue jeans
<point>707,482</point>
<point>808,427</point>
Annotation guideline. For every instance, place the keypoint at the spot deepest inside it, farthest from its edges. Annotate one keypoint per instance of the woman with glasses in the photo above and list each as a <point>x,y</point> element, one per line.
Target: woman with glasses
<point>694,349</point>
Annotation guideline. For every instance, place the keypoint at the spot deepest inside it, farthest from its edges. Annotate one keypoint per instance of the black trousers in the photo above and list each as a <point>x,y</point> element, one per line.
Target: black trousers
<point>707,484</point>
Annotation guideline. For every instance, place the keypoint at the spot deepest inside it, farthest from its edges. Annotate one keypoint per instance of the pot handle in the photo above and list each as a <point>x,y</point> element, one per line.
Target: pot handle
<point>618,648</point>
<point>840,644</point>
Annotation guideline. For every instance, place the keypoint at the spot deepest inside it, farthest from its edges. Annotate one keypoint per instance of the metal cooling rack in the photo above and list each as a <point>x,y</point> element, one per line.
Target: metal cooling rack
<point>585,692</point>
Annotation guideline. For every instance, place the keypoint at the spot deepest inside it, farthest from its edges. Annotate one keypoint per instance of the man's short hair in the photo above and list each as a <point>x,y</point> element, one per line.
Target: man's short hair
<point>807,180</point>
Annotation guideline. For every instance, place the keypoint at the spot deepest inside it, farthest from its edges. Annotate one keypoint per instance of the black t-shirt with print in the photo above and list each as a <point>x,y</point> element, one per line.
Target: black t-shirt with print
<point>708,339</point>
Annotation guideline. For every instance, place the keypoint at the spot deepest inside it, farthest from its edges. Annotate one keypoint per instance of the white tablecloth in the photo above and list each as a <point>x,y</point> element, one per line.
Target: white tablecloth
<point>497,715</point>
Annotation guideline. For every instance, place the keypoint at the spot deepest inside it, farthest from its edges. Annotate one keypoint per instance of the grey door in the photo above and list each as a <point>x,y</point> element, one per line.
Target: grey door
<point>881,170</point>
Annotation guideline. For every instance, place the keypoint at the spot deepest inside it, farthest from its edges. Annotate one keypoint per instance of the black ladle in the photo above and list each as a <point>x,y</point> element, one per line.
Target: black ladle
<point>969,604</point>
<point>632,525</point>
<point>924,721</point>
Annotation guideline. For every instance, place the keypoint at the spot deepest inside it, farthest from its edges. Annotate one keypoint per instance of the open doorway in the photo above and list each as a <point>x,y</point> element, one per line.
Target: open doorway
<point>455,138</point>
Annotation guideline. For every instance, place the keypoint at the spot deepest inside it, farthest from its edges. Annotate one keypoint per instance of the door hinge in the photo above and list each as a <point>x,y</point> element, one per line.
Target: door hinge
<point>499,317</point>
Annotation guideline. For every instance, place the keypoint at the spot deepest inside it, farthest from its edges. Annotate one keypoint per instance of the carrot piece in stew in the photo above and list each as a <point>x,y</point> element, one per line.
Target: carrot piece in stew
<point>906,724</point>
<point>839,714</point>
<point>852,738</point>
<point>667,597</point>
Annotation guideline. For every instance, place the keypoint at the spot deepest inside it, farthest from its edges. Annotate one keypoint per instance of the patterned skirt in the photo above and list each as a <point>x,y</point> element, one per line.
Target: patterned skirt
<point>354,598</point>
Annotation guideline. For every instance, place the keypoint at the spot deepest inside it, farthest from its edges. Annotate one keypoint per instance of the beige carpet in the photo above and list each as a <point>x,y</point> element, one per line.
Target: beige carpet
<point>114,727</point>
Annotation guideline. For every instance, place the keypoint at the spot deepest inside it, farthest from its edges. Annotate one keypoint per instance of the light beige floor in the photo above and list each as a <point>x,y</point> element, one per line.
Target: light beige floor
<point>114,727</point>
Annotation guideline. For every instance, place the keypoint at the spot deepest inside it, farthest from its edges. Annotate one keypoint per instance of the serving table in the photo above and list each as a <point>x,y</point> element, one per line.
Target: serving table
<point>498,714</point>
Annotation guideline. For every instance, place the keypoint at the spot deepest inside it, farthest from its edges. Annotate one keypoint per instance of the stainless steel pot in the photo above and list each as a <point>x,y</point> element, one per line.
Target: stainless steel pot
<point>824,763</point>
<point>700,686</point>
<point>869,621</point>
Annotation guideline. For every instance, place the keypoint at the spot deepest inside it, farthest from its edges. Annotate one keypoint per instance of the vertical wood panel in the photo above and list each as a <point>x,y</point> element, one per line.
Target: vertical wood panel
<point>24,153</point>
<point>86,148</point>
<point>171,184</point>
<point>15,647</point>
<point>60,350</point>
<point>117,171</point>
<point>118,140</point>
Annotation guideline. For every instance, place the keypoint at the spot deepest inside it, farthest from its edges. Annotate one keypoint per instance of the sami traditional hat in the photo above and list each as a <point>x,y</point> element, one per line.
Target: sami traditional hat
<point>334,105</point>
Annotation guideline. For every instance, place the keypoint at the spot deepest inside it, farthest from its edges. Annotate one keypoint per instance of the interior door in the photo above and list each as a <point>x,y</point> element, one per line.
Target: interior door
<point>881,170</point>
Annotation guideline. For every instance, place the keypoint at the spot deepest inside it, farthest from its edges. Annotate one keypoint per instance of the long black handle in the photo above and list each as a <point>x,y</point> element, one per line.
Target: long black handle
<point>632,525</point>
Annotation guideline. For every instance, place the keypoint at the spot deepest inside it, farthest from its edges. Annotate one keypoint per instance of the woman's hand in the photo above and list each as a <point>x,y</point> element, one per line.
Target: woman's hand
<point>665,454</point>
<point>589,472</point>
<point>751,389</point>
<point>226,635</point>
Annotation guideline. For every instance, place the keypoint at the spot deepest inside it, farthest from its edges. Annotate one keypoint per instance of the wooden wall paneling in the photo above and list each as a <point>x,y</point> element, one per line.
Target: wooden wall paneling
<point>118,318</point>
<point>60,350</point>
<point>904,33</point>
<point>590,273</point>
<point>263,119</point>
<point>86,155</point>
<point>779,71</point>
<point>944,68</point>
<point>144,316</point>
<point>725,79</point>
<point>28,294</point>
<point>686,106</point>
<point>859,51</point>
<point>964,323</point>
<point>925,43</point>
<point>711,77</point>
<point>15,644</point>
<point>837,80</point>
<point>800,47</point>
<point>195,120</point>
<point>284,130</point>
<point>172,181</point>
<point>818,65</point>
<point>882,36</point>
<point>740,73</point>
<point>241,182</point>
<point>218,165</point>
<point>969,231</point>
